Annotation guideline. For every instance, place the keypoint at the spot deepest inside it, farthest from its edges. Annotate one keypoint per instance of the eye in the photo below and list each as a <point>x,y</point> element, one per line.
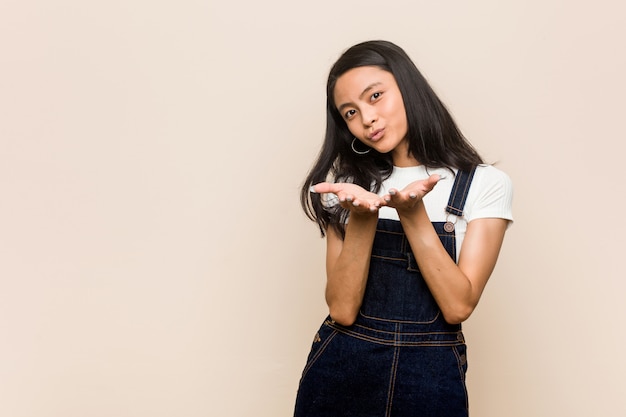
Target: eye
<point>375,96</point>
<point>349,114</point>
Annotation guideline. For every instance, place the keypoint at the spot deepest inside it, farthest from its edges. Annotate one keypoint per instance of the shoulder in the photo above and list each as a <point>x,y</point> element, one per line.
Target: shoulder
<point>489,174</point>
<point>489,179</point>
<point>490,195</point>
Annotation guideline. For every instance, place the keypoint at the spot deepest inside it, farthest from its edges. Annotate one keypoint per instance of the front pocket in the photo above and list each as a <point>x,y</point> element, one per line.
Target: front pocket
<point>460,351</point>
<point>321,340</point>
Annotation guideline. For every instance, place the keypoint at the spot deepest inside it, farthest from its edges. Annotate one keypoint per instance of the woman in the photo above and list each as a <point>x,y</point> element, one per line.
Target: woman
<point>414,221</point>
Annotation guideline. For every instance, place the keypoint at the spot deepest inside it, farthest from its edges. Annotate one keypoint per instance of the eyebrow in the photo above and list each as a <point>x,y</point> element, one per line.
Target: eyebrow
<point>367,89</point>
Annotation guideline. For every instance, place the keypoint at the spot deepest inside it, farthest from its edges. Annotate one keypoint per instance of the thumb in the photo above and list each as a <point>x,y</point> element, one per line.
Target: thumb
<point>432,181</point>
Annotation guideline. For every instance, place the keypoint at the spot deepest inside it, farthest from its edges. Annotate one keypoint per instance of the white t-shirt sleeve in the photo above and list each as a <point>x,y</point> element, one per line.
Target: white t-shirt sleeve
<point>490,196</point>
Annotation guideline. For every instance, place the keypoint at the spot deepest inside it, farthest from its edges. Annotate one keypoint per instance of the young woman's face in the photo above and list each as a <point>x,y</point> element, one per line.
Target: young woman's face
<point>370,102</point>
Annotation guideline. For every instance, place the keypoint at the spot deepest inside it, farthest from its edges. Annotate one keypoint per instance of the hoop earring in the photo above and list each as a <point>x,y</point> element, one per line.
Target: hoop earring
<point>357,151</point>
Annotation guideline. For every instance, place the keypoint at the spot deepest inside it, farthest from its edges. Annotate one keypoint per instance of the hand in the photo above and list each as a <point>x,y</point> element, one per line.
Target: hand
<point>351,197</point>
<point>413,193</point>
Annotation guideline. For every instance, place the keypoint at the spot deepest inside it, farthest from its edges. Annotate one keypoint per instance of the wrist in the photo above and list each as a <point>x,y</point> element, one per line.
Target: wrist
<point>408,211</point>
<point>414,213</point>
<point>363,216</point>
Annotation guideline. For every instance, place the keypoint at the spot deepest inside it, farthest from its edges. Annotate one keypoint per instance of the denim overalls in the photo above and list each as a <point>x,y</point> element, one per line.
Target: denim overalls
<point>400,357</point>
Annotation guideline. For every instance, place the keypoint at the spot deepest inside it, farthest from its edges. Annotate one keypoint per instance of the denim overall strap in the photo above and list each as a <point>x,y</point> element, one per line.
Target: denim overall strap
<point>459,192</point>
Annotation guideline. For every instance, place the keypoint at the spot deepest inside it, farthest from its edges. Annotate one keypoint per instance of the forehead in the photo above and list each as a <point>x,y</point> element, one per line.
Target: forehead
<point>351,84</point>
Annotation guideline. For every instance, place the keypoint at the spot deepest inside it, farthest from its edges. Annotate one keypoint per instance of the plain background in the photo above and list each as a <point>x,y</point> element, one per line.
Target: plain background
<point>154,260</point>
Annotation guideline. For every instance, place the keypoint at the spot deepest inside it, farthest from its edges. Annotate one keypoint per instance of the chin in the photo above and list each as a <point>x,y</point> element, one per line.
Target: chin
<point>382,149</point>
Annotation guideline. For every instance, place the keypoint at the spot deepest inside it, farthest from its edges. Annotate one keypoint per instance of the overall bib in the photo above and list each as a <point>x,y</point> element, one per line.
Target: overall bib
<point>400,357</point>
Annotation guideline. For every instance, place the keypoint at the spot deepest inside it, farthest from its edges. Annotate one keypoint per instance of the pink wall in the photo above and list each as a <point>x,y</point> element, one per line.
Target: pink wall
<point>154,260</point>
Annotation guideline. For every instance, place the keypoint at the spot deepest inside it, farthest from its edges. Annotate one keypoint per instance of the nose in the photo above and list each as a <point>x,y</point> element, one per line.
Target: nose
<point>369,116</point>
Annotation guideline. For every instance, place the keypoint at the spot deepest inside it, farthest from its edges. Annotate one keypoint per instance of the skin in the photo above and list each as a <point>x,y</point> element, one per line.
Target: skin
<point>372,106</point>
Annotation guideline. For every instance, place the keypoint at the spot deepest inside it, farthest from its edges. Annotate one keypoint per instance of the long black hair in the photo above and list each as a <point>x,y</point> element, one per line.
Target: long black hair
<point>433,136</point>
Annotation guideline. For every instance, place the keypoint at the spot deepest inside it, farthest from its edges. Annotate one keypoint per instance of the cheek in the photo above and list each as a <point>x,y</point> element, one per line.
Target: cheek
<point>352,127</point>
<point>400,112</point>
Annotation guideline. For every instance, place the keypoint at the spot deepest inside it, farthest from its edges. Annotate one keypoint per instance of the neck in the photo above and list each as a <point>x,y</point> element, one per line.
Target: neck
<point>402,158</point>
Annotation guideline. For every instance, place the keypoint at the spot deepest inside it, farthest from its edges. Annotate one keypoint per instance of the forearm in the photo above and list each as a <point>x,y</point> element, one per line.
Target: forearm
<point>348,267</point>
<point>451,288</point>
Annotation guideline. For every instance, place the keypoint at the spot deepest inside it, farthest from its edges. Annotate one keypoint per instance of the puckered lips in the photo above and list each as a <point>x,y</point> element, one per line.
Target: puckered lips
<point>376,134</point>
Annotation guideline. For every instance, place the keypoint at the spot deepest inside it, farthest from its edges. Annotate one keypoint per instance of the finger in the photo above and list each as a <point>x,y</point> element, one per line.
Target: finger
<point>398,196</point>
<point>323,187</point>
<point>393,195</point>
<point>373,206</point>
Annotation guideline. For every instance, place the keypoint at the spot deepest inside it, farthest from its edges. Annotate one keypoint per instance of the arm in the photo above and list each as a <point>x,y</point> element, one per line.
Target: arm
<point>347,260</point>
<point>456,288</point>
<point>347,267</point>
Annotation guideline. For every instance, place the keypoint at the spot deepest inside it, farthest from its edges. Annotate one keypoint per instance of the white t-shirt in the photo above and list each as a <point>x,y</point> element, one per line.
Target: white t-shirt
<point>490,196</point>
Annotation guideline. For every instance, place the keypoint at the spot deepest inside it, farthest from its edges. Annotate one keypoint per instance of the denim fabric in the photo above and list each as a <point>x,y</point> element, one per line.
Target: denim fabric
<point>400,357</point>
<point>459,192</point>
